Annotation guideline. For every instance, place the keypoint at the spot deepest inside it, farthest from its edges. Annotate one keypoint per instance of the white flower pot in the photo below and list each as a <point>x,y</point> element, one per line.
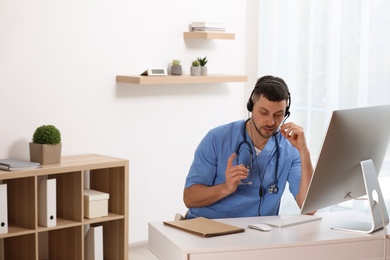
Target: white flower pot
<point>176,70</point>
<point>203,71</point>
<point>195,71</point>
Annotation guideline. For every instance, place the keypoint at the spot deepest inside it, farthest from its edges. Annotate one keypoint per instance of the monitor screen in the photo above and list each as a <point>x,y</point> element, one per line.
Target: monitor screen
<point>353,136</point>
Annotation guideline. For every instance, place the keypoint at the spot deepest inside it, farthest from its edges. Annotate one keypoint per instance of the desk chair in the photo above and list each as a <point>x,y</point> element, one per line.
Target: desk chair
<point>179,216</point>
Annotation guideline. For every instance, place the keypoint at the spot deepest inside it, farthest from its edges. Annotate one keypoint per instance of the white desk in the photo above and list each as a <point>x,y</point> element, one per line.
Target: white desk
<point>307,241</point>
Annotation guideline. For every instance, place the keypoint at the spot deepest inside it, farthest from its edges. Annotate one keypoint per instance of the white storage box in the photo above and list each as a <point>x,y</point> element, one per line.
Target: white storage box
<point>95,204</point>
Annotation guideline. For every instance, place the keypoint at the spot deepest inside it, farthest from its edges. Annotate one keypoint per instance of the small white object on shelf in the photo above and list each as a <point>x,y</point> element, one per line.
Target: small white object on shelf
<point>155,72</point>
<point>95,203</point>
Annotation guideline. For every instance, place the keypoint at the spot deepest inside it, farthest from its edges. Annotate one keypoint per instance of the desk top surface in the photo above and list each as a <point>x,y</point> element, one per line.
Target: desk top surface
<point>299,235</point>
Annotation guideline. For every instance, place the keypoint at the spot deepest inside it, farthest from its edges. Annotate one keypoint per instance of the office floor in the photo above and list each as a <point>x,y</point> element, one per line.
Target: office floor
<point>141,253</point>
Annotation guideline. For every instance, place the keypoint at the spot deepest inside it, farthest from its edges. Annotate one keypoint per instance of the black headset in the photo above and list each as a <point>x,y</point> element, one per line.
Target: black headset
<point>273,189</point>
<point>249,104</point>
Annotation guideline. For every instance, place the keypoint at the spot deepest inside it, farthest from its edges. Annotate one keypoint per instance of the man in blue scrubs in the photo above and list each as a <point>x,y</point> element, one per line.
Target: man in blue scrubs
<point>241,169</point>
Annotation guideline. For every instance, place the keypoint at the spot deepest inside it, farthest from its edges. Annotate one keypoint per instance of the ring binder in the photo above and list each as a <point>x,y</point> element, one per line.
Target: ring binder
<point>47,207</point>
<point>4,209</point>
<point>94,243</point>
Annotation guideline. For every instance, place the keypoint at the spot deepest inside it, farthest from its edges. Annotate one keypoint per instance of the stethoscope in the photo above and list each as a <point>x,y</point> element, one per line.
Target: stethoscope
<point>273,188</point>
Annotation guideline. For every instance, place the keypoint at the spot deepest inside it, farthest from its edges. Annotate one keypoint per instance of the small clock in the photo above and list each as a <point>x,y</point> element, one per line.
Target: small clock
<point>154,72</point>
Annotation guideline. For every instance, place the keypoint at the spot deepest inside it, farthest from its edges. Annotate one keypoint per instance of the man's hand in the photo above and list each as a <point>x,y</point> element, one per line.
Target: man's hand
<point>234,174</point>
<point>295,135</point>
<point>199,195</point>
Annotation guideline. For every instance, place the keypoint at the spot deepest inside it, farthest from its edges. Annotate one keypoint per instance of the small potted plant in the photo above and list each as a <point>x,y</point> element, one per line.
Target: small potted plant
<point>203,68</point>
<point>195,68</point>
<point>45,147</point>
<point>176,67</point>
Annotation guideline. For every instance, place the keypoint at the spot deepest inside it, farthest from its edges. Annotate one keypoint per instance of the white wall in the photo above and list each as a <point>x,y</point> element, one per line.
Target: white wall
<point>58,62</point>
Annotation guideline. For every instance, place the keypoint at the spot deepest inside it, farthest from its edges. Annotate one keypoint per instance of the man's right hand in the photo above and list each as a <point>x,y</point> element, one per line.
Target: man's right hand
<point>234,174</point>
<point>200,195</point>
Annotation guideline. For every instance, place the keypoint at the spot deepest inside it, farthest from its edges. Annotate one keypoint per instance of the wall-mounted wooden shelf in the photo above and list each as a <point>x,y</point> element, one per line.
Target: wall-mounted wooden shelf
<point>209,35</point>
<point>183,79</point>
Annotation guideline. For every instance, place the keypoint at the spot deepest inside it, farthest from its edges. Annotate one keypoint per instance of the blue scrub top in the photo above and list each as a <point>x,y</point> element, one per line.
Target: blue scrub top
<point>209,165</point>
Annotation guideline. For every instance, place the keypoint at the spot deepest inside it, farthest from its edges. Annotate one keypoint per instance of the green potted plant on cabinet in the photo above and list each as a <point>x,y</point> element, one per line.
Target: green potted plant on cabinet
<point>176,67</point>
<point>195,68</point>
<point>203,69</point>
<point>45,147</point>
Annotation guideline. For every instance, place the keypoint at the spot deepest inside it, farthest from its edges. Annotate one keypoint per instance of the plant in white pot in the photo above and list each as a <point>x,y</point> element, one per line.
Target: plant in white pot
<point>195,68</point>
<point>176,67</point>
<point>203,69</point>
<point>45,147</point>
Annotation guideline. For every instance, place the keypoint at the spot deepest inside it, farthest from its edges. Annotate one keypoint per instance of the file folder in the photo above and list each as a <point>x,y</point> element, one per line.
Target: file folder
<point>204,227</point>
<point>3,209</point>
<point>47,204</point>
<point>94,243</point>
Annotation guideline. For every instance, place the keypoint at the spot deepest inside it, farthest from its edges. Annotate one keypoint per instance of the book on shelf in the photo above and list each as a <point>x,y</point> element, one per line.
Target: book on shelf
<point>206,29</point>
<point>11,164</point>
<point>207,25</point>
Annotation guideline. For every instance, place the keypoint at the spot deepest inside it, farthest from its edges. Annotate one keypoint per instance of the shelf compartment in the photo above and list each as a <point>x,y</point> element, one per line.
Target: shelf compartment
<point>183,79</point>
<point>113,234</point>
<point>110,180</point>
<point>21,203</point>
<point>69,195</point>
<point>63,243</point>
<point>209,35</point>
<point>19,247</point>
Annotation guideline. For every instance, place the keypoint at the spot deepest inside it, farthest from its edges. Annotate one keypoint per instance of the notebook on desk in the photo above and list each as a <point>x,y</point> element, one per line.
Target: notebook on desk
<point>288,221</point>
<point>204,227</point>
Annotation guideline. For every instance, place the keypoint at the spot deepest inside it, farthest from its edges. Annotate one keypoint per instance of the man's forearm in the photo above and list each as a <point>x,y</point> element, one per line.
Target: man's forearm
<point>307,172</point>
<point>199,195</point>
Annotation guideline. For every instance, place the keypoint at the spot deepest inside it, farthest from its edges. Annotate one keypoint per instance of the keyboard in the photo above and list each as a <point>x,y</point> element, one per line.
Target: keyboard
<point>288,221</point>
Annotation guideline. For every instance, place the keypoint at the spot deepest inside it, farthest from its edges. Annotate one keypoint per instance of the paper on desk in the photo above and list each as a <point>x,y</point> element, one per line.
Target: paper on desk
<point>204,227</point>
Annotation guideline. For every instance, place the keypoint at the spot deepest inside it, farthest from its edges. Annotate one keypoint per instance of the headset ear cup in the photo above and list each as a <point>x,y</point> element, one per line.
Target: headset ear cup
<point>287,114</point>
<point>249,105</point>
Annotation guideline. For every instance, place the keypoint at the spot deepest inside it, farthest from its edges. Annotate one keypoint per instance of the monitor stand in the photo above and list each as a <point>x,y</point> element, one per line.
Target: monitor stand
<point>378,210</point>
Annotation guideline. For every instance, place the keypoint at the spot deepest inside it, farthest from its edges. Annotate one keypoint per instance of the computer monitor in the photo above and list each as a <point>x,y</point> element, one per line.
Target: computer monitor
<point>349,163</point>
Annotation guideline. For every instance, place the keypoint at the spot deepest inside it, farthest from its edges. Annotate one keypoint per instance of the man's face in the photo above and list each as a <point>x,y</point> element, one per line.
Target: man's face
<point>268,115</point>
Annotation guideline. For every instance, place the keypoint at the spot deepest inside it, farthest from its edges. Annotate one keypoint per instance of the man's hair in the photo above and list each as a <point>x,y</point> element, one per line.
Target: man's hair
<point>273,88</point>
